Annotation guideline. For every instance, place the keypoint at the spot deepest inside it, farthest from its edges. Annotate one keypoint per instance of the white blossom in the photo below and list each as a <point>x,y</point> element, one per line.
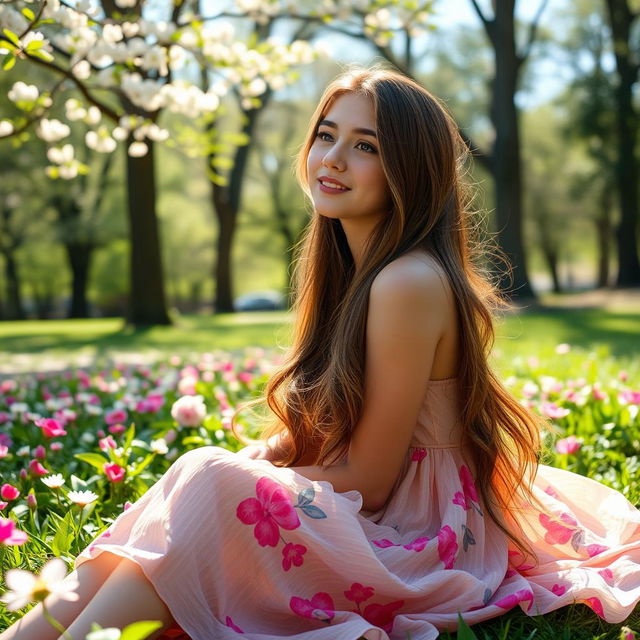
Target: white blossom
<point>155,58</point>
<point>112,33</point>
<point>159,446</point>
<point>21,92</point>
<point>100,140</point>
<point>6,128</point>
<point>54,481</point>
<point>74,109</point>
<point>82,70</point>
<point>52,130</point>
<point>82,498</point>
<point>137,149</point>
<point>60,155</point>
<point>93,115</point>
<point>126,4</point>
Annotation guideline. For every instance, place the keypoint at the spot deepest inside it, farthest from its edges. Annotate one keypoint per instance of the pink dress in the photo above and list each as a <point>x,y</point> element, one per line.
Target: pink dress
<point>238,546</point>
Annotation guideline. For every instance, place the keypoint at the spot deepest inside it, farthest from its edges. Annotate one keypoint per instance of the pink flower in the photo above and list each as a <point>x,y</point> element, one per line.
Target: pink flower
<point>557,530</point>
<point>114,472</point>
<point>419,453</point>
<point>382,615</point>
<point>320,607</point>
<point>115,416</point>
<point>37,469</point>
<point>607,576</point>
<point>558,589</point>
<point>358,593</point>
<point>460,500</point>
<point>271,509</point>
<point>51,428</point>
<point>595,604</point>
<point>595,549</point>
<point>3,505</point>
<point>510,601</point>
<point>598,394</point>
<point>107,443</point>
<point>9,535</point>
<point>629,397</point>
<point>553,411</point>
<point>187,386</point>
<point>40,452</point>
<point>151,404</point>
<point>9,492</point>
<point>189,411</point>
<point>245,376</point>
<point>231,625</point>
<point>56,446</point>
<point>417,545</point>
<point>292,555</point>
<point>32,501</point>
<point>116,428</point>
<point>4,451</point>
<point>468,486</point>
<point>447,546</point>
<point>568,445</point>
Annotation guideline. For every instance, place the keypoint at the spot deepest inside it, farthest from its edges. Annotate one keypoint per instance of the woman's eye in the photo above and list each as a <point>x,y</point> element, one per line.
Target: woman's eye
<point>369,148</point>
<point>320,135</point>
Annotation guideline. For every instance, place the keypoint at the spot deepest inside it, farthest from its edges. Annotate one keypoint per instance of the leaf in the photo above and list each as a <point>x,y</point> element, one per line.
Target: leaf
<point>128,439</point>
<point>41,54</point>
<point>314,512</point>
<point>64,535</point>
<point>468,538</point>
<point>34,44</point>
<point>77,484</point>
<point>306,496</point>
<point>577,540</point>
<point>464,632</point>
<point>12,37</point>
<point>94,459</point>
<point>28,14</point>
<point>140,630</point>
<point>141,466</point>
<point>9,62</point>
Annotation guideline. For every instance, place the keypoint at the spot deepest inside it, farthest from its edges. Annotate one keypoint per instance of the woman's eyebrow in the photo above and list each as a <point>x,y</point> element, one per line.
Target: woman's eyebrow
<point>366,132</point>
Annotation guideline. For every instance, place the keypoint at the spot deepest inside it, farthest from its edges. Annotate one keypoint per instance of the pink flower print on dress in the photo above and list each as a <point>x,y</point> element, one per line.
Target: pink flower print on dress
<point>595,549</point>
<point>559,530</point>
<point>320,607</point>
<point>229,622</point>
<point>292,555</point>
<point>271,509</point>
<point>384,543</point>
<point>510,601</point>
<point>417,545</point>
<point>607,576</point>
<point>447,546</point>
<point>382,615</point>
<point>419,453</point>
<point>551,492</point>
<point>358,593</point>
<point>469,496</point>
<point>595,604</point>
<point>558,589</point>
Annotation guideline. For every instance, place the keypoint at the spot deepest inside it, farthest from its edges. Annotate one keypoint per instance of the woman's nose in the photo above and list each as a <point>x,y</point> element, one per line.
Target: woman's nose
<point>333,159</point>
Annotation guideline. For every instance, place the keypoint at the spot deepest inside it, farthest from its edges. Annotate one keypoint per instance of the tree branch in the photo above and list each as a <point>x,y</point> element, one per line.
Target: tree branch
<point>485,21</point>
<point>533,29</point>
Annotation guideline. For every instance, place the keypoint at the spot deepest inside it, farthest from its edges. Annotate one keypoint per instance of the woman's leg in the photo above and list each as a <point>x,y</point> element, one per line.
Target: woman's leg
<point>126,596</point>
<point>90,576</point>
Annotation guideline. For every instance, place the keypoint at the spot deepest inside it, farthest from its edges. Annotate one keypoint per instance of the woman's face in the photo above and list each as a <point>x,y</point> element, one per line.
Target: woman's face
<point>346,151</point>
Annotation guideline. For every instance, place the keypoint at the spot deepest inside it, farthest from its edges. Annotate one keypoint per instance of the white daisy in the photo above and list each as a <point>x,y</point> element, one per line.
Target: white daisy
<point>83,498</point>
<point>54,481</point>
<point>25,587</point>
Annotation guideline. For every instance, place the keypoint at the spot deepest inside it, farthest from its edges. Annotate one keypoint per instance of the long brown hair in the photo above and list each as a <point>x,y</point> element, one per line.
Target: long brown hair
<point>317,394</point>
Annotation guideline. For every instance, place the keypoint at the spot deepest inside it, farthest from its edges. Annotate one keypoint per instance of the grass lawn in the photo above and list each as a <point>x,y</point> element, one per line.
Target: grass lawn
<point>52,344</point>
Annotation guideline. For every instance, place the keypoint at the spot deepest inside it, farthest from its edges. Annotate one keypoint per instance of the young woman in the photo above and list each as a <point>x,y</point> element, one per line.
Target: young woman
<point>398,484</point>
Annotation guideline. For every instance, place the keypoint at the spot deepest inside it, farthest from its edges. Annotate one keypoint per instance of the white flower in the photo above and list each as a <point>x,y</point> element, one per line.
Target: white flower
<point>23,451</point>
<point>6,128</point>
<point>159,446</point>
<point>83,498</point>
<point>52,130</point>
<point>100,140</point>
<point>59,155</point>
<point>137,149</point>
<point>25,587</point>
<point>126,4</point>
<point>130,29</point>
<point>54,481</point>
<point>155,58</point>
<point>112,33</point>
<point>82,70</point>
<point>74,109</point>
<point>93,115</point>
<point>19,407</point>
<point>87,437</point>
<point>120,133</point>
<point>21,92</point>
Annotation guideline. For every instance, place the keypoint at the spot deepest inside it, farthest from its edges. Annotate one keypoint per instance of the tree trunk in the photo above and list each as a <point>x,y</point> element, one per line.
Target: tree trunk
<point>79,255</point>
<point>147,304</point>
<point>506,152</point>
<point>603,235</point>
<point>627,164</point>
<point>15,310</point>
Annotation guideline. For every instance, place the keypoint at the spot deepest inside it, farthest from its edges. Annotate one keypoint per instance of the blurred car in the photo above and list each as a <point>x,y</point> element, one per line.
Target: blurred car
<point>260,301</point>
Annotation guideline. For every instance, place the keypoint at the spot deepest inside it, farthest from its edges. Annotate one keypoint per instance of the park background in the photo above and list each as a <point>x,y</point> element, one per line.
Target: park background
<point>146,185</point>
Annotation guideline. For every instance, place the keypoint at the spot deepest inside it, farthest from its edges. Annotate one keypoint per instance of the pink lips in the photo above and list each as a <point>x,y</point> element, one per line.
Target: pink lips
<point>329,189</point>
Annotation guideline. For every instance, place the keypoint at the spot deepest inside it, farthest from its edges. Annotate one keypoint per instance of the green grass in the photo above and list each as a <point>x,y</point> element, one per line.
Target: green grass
<point>34,344</point>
